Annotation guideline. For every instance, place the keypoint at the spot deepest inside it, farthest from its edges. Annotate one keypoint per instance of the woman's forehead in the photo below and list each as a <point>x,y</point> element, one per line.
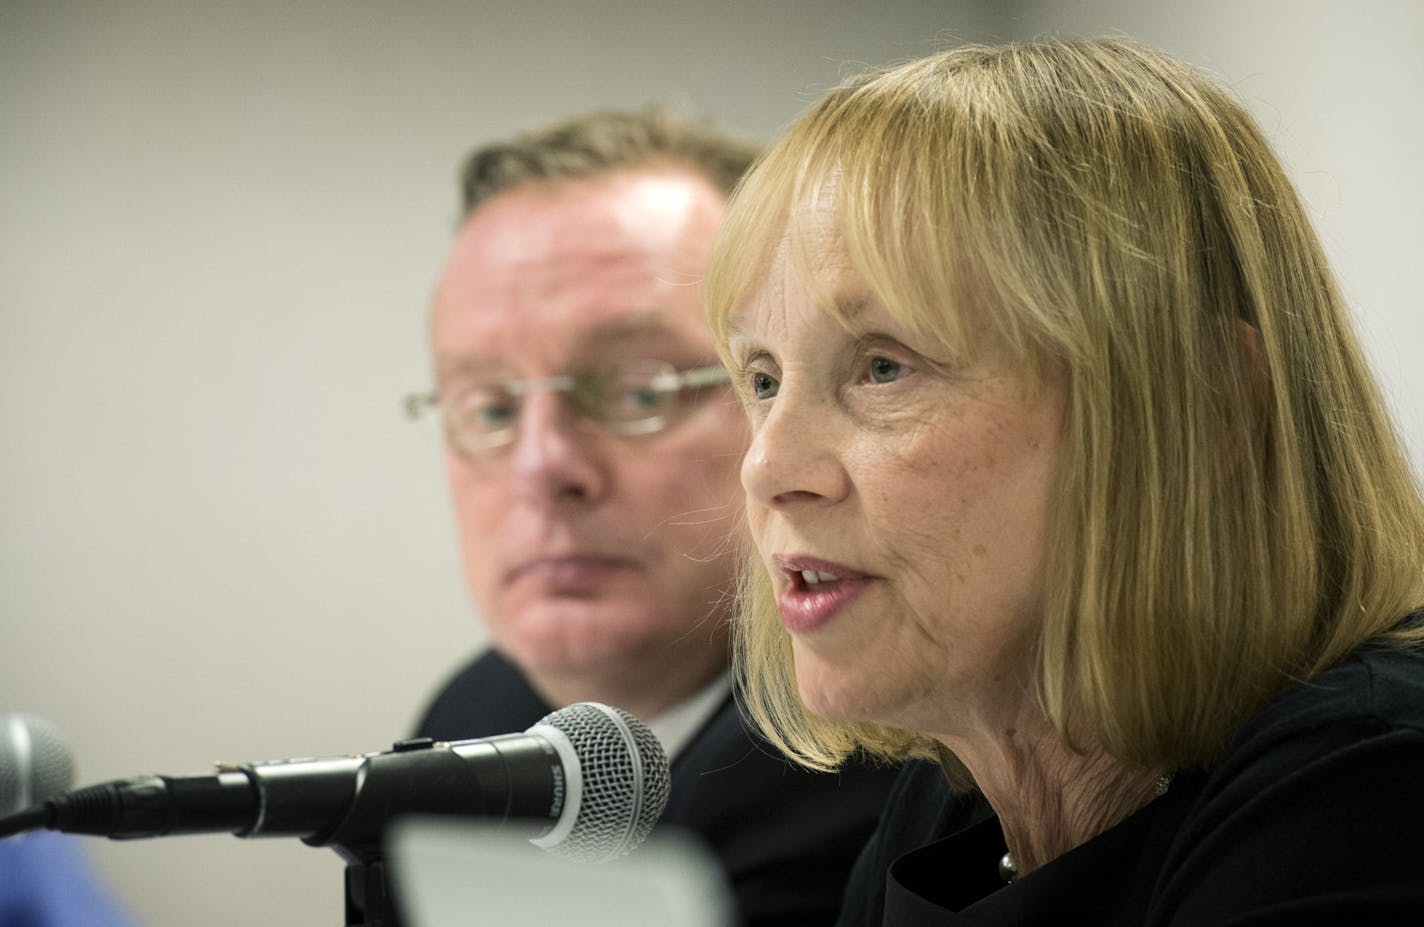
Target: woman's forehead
<point>808,262</point>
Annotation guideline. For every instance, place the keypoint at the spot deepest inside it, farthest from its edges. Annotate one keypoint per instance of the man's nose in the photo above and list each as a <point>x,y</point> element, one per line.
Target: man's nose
<point>554,457</point>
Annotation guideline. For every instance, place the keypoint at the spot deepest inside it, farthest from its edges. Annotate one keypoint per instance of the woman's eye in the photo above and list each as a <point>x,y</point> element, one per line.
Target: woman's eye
<point>885,370</point>
<point>764,385</point>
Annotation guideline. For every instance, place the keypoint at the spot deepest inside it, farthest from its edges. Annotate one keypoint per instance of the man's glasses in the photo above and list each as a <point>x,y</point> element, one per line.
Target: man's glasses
<point>627,398</point>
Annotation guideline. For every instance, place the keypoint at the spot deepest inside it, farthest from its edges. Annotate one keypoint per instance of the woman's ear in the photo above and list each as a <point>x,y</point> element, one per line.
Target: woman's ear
<point>1246,404</point>
<point>1254,369</point>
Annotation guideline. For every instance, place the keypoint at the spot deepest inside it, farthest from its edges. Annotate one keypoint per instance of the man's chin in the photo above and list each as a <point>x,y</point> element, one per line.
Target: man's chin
<point>575,645</point>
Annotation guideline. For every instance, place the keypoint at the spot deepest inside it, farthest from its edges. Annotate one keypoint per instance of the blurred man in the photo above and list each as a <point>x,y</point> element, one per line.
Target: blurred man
<point>592,450</point>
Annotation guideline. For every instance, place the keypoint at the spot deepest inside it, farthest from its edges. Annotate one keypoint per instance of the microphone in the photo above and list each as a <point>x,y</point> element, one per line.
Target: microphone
<point>35,763</point>
<point>588,781</point>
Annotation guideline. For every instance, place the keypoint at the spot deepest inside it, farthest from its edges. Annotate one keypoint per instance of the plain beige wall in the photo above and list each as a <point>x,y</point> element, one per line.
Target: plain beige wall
<point>219,225</point>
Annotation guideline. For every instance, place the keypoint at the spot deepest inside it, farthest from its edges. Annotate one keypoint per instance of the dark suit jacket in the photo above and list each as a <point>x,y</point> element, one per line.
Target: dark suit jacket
<point>786,837</point>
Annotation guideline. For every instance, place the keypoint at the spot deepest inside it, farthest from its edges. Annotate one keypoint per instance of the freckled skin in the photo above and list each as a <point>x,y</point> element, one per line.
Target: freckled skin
<point>937,481</point>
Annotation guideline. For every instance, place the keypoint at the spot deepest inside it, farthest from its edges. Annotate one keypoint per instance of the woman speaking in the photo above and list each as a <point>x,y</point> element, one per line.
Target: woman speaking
<point>1068,476</point>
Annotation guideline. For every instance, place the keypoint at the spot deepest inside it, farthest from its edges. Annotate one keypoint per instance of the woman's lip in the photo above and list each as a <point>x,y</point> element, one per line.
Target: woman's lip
<point>794,565</point>
<point>808,605</point>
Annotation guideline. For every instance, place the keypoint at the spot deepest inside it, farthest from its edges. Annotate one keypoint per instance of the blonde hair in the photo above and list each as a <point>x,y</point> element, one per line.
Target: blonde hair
<point>1236,511</point>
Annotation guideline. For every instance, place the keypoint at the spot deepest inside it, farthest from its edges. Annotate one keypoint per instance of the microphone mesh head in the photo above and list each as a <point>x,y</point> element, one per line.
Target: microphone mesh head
<point>34,762</point>
<point>625,780</point>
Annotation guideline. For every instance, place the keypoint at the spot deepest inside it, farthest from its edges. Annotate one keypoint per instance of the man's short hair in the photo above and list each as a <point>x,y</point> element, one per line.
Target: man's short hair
<point>603,142</point>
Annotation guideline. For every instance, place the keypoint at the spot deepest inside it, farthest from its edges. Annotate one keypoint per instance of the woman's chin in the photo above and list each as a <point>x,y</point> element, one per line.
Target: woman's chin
<point>828,693</point>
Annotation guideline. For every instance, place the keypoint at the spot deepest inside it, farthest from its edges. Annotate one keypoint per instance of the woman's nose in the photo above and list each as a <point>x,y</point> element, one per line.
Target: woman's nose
<point>794,456</point>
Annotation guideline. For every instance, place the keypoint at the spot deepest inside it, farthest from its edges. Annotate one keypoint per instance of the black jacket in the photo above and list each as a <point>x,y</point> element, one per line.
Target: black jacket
<point>786,837</point>
<point>1314,815</point>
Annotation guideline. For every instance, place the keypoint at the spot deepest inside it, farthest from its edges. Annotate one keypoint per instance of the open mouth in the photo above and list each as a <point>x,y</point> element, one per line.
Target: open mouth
<point>813,596</point>
<point>809,579</point>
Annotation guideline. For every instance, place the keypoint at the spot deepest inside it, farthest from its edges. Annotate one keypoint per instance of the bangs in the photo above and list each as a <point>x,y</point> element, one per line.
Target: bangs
<point>906,212</point>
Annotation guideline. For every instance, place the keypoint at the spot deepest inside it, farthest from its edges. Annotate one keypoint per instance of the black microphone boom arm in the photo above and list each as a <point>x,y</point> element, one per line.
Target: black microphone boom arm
<point>345,802</point>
